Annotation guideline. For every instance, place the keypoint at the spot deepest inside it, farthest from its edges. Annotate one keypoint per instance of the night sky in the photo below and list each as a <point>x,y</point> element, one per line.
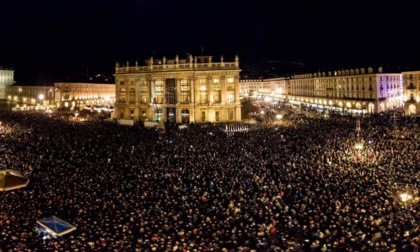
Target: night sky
<point>46,40</point>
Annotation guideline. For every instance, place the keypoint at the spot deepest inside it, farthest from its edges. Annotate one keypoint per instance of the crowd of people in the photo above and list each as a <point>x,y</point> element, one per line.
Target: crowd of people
<point>300,186</point>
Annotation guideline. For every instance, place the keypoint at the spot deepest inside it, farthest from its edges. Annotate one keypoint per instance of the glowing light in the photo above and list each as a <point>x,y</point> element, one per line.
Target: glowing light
<point>279,117</point>
<point>279,90</point>
<point>267,99</point>
<point>41,97</point>
<point>359,146</point>
<point>405,197</point>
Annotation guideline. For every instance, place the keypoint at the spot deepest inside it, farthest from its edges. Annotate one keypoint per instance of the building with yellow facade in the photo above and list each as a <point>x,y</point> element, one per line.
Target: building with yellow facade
<point>261,88</point>
<point>65,95</point>
<point>411,92</point>
<point>6,79</point>
<point>346,91</point>
<point>79,95</point>
<point>196,89</point>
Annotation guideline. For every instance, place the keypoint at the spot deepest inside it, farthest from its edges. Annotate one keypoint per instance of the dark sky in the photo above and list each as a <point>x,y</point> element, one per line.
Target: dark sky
<point>47,40</point>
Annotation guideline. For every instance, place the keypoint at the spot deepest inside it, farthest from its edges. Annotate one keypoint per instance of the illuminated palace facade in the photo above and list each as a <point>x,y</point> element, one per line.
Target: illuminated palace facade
<point>6,79</point>
<point>179,90</point>
<point>412,92</point>
<point>348,91</point>
<point>62,95</point>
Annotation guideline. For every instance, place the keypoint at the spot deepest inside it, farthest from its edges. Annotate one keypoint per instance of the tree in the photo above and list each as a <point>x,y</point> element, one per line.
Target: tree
<point>248,108</point>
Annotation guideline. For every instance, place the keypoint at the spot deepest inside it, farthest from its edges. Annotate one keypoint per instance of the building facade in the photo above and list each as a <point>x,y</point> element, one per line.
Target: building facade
<point>79,95</point>
<point>62,95</point>
<point>179,90</point>
<point>272,88</point>
<point>251,87</point>
<point>277,88</point>
<point>31,96</point>
<point>346,91</point>
<point>412,92</point>
<point>6,79</point>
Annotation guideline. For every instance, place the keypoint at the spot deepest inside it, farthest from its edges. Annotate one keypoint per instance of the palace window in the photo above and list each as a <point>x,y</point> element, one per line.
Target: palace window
<point>230,95</point>
<point>203,116</point>
<point>217,94</point>
<point>185,91</point>
<point>132,95</point>
<point>143,94</point>
<point>158,114</point>
<point>203,94</point>
<point>171,92</point>
<point>122,95</point>
<point>231,114</point>
<point>158,91</point>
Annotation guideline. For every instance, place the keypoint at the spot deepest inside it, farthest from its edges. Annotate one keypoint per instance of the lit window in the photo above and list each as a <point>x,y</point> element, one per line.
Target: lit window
<point>216,81</point>
<point>230,95</point>
<point>230,80</point>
